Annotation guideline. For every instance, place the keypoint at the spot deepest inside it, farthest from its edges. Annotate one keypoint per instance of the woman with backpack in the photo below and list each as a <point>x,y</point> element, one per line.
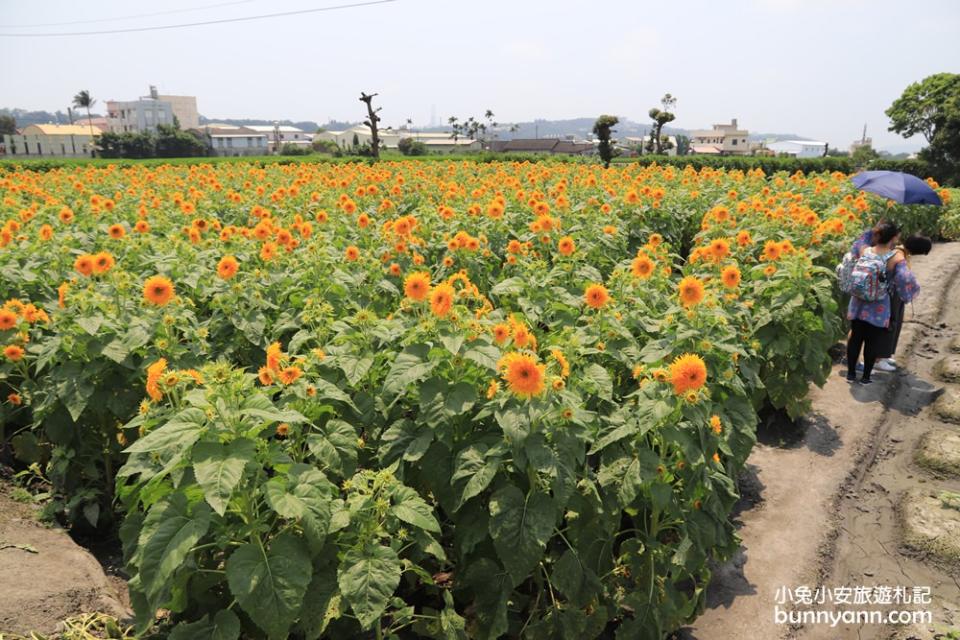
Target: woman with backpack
<point>878,270</point>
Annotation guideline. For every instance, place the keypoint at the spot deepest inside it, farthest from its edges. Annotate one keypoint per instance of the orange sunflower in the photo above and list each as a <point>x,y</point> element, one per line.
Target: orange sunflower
<point>642,267</point>
<point>441,300</point>
<point>730,276</point>
<point>596,296</point>
<point>566,246</point>
<point>524,376</point>
<point>13,352</point>
<point>84,265</point>
<point>102,262</point>
<point>227,267</point>
<point>688,373</point>
<point>416,286</point>
<point>158,290</point>
<point>691,291</point>
<point>8,319</point>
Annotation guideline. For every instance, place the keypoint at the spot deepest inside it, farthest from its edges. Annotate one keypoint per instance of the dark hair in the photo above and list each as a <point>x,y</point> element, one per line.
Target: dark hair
<point>884,232</point>
<point>918,245</point>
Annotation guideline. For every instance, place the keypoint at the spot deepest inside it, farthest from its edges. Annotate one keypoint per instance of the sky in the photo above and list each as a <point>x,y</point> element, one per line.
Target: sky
<point>818,68</point>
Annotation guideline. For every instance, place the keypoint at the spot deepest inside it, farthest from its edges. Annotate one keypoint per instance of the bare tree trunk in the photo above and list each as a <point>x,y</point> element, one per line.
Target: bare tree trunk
<point>371,121</point>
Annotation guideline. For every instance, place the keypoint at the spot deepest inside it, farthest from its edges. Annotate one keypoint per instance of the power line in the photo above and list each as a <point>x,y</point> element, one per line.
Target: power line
<point>196,24</point>
<point>119,18</point>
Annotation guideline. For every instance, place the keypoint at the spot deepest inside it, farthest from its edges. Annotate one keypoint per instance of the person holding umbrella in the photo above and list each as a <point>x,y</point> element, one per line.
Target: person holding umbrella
<point>905,189</point>
<point>870,315</point>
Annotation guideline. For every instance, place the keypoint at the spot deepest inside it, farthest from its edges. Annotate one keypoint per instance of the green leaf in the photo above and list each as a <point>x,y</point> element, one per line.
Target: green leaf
<point>180,432</point>
<point>219,469</point>
<point>335,446</point>
<point>598,380</point>
<point>305,501</point>
<point>269,584</point>
<point>225,626</point>
<point>410,366</point>
<point>574,580</point>
<point>474,465</point>
<point>520,526</point>
<point>321,603</point>
<point>367,578</point>
<point>326,390</point>
<point>354,367</point>
<point>170,530</point>
<point>484,355</point>
<point>412,509</point>
<point>90,324</point>
<point>460,398</point>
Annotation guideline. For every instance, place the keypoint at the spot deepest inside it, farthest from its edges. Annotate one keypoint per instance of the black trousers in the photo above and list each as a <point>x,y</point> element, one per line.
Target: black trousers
<point>888,345</point>
<point>868,337</point>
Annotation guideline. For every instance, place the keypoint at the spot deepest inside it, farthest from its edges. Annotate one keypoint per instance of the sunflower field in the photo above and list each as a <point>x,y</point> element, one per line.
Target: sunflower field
<point>411,399</point>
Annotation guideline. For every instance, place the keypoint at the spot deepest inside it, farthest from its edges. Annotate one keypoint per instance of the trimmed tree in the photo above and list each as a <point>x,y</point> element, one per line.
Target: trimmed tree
<point>602,128</point>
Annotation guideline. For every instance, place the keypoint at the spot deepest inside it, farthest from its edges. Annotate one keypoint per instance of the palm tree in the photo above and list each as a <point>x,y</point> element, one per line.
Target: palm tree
<point>83,101</point>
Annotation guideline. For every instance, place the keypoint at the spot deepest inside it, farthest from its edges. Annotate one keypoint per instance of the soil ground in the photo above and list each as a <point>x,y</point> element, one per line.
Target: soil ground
<point>45,576</point>
<point>823,507</point>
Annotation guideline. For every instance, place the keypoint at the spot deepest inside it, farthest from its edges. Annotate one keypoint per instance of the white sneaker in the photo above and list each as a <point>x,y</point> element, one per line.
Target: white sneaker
<point>885,365</point>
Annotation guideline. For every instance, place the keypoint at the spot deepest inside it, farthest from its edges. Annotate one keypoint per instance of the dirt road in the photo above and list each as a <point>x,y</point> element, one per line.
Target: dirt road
<point>828,508</point>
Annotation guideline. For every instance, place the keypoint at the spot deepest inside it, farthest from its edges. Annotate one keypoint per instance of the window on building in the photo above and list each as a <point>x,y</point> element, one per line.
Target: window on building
<point>230,142</point>
<point>734,141</point>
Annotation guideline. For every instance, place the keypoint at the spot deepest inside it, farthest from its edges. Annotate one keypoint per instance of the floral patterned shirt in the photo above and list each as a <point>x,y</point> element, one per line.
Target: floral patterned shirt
<point>877,313</point>
<point>862,242</point>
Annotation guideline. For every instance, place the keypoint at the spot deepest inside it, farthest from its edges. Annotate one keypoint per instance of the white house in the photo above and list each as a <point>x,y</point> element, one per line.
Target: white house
<point>285,134</point>
<point>62,140</point>
<point>799,148</point>
<point>227,140</point>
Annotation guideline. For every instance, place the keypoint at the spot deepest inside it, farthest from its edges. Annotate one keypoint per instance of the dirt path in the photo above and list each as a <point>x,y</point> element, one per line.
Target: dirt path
<point>803,495</point>
<point>45,576</point>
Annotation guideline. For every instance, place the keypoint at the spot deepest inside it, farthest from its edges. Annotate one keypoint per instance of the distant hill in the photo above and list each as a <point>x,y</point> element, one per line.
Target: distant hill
<point>25,118</point>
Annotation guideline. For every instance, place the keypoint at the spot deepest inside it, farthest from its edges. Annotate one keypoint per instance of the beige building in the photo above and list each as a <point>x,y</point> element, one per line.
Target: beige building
<point>184,109</point>
<point>722,139</point>
<point>46,140</point>
<point>230,140</point>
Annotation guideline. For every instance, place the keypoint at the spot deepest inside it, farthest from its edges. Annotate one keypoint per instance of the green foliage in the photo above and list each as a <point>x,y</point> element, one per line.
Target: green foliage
<point>8,125</point>
<point>931,108</point>
<point>411,147</point>
<point>290,149</point>
<point>166,142</point>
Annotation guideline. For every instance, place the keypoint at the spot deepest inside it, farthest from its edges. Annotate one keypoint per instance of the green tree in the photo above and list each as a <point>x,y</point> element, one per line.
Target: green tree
<point>862,155</point>
<point>931,108</point>
<point>602,128</point>
<point>683,145</point>
<point>661,117</point>
<point>8,125</point>
<point>83,100</point>
<point>411,147</point>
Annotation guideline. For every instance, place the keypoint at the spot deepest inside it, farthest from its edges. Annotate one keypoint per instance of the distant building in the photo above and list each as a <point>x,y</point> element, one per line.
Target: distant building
<point>722,139</point>
<point>60,140</point>
<point>435,141</point>
<point>228,140</point>
<point>799,148</point>
<point>147,112</point>
<point>184,109</point>
<point>543,145</point>
<point>864,141</point>
<point>139,115</point>
<point>285,133</point>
